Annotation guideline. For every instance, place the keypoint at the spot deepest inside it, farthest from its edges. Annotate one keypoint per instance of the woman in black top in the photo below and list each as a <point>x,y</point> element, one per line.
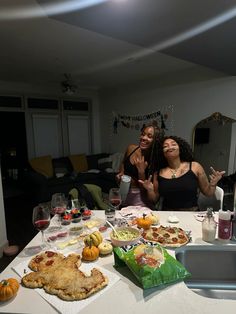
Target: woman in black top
<point>137,164</point>
<point>179,179</point>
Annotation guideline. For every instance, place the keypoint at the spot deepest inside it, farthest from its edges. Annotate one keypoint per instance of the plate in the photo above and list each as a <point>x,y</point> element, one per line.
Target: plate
<point>137,211</point>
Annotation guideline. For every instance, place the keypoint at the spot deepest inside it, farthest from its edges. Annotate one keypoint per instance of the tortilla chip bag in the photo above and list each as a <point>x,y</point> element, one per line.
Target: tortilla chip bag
<point>151,264</point>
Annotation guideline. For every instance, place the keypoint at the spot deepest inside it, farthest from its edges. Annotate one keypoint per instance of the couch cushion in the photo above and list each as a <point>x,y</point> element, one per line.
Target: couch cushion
<point>43,165</point>
<point>105,163</point>
<point>79,162</point>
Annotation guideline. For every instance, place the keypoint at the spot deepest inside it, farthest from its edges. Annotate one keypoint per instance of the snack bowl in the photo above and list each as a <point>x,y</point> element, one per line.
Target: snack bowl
<point>86,214</point>
<point>126,236</point>
<point>76,230</point>
<point>76,215</point>
<point>55,234</point>
<point>66,219</point>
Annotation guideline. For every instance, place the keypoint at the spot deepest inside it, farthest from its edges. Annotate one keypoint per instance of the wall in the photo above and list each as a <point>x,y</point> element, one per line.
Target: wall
<point>3,233</point>
<point>193,100</point>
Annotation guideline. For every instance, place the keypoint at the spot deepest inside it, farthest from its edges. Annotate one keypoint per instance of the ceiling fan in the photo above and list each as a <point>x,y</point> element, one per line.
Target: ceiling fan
<point>68,86</point>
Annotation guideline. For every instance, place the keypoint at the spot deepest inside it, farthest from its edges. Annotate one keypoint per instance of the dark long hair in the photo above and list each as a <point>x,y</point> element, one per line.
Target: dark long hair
<point>152,155</point>
<point>185,151</point>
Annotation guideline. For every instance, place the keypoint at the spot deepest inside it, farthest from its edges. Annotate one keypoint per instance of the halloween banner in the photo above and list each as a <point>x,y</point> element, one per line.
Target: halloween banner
<point>163,118</point>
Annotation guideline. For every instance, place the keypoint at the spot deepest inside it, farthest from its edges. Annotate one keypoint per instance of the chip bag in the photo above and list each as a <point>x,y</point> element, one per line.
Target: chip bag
<point>151,264</point>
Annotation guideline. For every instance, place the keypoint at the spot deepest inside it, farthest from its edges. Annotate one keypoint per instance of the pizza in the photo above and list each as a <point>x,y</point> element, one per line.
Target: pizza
<point>166,236</point>
<point>44,260</point>
<point>65,280</point>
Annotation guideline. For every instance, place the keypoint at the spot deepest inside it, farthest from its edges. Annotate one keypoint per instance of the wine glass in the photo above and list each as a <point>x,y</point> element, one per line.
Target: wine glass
<point>41,220</point>
<point>115,197</point>
<point>58,205</point>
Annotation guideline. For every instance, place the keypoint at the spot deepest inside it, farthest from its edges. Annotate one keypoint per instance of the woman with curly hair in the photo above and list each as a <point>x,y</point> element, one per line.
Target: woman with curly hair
<point>179,177</point>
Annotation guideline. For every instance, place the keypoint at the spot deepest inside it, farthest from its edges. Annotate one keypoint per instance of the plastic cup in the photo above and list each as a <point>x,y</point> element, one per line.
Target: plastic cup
<point>124,186</point>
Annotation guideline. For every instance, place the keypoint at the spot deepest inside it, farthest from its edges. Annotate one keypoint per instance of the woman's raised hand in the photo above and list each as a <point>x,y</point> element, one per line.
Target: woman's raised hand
<point>215,176</point>
<point>147,184</point>
<point>140,164</point>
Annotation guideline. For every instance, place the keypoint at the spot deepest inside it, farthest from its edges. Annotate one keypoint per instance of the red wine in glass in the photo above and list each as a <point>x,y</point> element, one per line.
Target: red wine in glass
<point>42,224</point>
<point>115,197</point>
<point>115,202</point>
<point>41,220</point>
<point>58,205</point>
<point>59,210</point>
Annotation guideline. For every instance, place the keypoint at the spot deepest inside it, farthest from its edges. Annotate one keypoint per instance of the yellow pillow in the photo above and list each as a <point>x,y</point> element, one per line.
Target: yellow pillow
<point>42,165</point>
<point>79,162</point>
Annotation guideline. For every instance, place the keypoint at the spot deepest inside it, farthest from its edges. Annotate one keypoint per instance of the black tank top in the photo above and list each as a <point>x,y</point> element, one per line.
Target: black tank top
<point>129,168</point>
<point>181,192</point>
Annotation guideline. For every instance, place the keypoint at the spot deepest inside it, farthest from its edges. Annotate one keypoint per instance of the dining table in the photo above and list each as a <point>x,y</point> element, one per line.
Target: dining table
<point>123,293</point>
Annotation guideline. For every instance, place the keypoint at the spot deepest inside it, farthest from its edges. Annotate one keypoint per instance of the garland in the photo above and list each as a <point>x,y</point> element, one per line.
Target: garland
<point>163,119</point>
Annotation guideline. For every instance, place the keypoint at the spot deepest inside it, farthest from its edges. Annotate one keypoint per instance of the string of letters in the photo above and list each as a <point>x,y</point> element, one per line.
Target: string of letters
<point>162,118</point>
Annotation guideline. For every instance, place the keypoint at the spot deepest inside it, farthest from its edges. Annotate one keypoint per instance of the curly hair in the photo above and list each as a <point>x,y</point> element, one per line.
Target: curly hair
<point>185,151</point>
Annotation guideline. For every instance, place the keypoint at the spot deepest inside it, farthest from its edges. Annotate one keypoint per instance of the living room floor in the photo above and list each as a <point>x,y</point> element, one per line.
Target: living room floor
<point>20,230</point>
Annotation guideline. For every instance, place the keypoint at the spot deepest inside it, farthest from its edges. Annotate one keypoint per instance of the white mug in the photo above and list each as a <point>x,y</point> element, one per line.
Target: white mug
<point>124,186</point>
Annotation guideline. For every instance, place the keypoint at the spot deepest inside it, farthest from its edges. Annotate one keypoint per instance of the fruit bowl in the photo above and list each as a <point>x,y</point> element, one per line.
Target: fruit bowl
<point>126,236</point>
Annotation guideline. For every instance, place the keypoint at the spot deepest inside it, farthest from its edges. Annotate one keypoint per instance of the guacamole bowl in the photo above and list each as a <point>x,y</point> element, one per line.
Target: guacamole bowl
<point>125,236</point>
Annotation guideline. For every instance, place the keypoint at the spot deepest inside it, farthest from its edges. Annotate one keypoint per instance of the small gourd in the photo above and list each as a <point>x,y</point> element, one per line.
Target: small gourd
<point>95,237</point>
<point>154,218</point>
<point>90,253</point>
<point>105,248</point>
<point>8,288</point>
<point>144,222</point>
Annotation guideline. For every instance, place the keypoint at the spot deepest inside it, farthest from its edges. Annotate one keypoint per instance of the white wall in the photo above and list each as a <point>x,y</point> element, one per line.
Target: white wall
<point>192,100</point>
<point>3,233</point>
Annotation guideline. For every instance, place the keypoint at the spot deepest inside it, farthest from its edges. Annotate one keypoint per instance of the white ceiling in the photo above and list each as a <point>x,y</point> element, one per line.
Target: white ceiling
<point>114,41</point>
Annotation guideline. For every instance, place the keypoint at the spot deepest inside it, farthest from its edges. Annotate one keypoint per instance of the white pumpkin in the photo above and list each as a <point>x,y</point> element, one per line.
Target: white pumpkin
<point>154,218</point>
<point>105,248</point>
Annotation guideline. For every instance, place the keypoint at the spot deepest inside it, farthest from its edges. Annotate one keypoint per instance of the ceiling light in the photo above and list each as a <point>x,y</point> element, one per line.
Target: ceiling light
<point>68,86</point>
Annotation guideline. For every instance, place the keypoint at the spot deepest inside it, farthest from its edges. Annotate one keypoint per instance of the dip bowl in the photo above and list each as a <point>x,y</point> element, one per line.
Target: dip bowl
<point>125,236</point>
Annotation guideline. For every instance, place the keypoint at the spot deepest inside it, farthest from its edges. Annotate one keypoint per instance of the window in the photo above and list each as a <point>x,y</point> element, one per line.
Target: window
<point>10,102</point>
<point>42,103</point>
<point>75,105</point>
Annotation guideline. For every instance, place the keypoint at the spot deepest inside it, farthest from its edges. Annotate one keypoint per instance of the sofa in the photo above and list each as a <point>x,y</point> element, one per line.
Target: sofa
<point>45,175</point>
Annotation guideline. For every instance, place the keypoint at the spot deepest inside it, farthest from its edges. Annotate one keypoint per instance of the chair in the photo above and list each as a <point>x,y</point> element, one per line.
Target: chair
<point>215,201</point>
<point>219,194</point>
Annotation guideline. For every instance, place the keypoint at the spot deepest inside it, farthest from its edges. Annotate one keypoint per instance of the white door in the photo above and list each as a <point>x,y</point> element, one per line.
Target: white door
<point>47,135</point>
<point>79,134</point>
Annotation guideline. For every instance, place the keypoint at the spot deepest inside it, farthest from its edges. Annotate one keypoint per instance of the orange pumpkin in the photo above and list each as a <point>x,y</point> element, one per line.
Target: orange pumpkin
<point>144,222</point>
<point>8,288</point>
<point>90,253</point>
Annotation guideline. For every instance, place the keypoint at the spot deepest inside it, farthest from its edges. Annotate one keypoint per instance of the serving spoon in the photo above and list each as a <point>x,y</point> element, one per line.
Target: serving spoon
<point>112,227</point>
